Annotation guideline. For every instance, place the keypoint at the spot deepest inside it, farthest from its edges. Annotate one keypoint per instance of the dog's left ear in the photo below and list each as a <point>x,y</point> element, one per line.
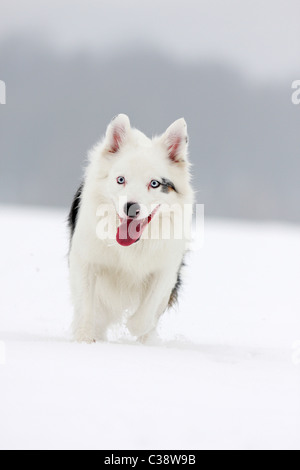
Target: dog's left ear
<point>117,133</point>
<point>175,139</point>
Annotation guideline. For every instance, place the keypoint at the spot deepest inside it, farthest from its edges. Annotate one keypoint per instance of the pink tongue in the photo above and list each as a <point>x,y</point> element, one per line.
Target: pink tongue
<point>129,232</point>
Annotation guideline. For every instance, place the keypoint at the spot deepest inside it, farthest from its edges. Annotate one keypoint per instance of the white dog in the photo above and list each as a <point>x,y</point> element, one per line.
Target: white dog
<point>128,230</point>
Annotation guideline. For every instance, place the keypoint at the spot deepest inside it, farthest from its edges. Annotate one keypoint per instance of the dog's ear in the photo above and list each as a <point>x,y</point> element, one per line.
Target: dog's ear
<point>117,133</point>
<point>175,139</point>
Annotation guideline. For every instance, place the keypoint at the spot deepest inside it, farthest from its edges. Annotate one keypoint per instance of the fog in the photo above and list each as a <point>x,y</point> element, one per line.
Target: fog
<point>227,67</point>
<point>260,36</point>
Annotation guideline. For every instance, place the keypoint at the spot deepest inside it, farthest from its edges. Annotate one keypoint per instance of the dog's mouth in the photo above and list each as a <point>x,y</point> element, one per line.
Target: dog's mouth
<point>131,229</point>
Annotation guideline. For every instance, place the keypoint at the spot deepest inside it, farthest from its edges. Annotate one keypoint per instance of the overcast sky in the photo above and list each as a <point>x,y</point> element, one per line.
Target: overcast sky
<point>262,37</point>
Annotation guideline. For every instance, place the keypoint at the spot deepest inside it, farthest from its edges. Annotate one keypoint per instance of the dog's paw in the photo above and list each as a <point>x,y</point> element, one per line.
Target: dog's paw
<point>139,328</point>
<point>84,337</point>
<point>150,339</point>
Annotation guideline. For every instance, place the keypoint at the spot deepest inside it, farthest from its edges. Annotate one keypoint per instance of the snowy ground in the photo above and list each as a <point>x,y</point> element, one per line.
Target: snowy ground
<point>224,377</point>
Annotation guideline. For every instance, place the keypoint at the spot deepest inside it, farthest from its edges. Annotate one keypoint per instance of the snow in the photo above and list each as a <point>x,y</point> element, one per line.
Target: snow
<point>223,376</point>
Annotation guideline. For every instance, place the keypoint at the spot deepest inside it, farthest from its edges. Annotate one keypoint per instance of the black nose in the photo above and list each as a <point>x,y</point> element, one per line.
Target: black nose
<point>132,209</point>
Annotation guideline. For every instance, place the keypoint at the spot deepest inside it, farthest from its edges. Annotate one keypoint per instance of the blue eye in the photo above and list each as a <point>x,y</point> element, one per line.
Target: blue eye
<point>121,180</point>
<point>155,184</point>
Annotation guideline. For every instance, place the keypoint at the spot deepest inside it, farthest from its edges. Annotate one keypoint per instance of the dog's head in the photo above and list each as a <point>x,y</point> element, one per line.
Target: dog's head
<point>144,176</point>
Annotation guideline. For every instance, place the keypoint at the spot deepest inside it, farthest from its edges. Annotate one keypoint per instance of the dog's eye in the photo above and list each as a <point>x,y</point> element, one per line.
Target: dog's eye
<point>121,180</point>
<point>155,184</point>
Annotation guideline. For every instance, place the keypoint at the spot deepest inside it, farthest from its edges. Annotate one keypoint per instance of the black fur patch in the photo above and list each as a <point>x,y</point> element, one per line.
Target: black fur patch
<point>73,215</point>
<point>167,186</point>
<point>175,292</point>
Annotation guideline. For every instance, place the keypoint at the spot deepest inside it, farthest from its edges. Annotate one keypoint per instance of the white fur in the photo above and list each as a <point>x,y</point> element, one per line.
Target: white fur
<point>107,279</point>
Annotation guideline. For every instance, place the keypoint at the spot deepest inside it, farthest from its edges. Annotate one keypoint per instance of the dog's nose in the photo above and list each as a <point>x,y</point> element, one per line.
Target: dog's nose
<point>132,209</point>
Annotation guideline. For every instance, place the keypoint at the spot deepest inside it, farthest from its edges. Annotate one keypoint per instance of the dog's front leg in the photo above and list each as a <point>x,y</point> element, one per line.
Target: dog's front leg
<point>83,281</point>
<point>153,306</point>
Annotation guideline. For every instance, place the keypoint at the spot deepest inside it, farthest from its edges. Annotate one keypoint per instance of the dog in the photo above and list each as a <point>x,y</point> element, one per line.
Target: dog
<point>122,261</point>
